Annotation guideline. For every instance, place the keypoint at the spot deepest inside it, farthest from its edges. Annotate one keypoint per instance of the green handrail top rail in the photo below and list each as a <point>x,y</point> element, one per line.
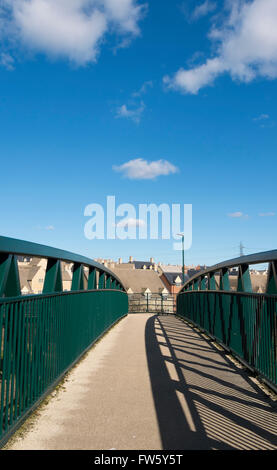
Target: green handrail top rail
<point>256,258</point>
<point>25,248</point>
<point>30,297</point>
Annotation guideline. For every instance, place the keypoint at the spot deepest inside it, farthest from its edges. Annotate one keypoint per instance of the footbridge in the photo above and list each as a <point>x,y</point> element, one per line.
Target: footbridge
<point>202,378</point>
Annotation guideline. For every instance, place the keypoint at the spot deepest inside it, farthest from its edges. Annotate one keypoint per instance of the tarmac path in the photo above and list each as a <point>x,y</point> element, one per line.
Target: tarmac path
<point>151,383</point>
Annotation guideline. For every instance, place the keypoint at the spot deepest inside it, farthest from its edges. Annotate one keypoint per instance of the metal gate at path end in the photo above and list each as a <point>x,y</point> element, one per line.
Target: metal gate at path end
<point>155,303</point>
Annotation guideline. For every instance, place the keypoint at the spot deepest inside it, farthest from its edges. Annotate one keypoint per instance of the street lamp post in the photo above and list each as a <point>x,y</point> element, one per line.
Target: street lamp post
<point>183,256</point>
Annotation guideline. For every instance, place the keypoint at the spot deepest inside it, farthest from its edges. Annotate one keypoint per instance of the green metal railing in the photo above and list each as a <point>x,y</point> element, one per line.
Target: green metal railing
<point>43,335</point>
<point>242,321</point>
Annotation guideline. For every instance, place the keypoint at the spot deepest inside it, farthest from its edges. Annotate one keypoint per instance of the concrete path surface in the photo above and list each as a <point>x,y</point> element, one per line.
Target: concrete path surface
<point>151,383</point>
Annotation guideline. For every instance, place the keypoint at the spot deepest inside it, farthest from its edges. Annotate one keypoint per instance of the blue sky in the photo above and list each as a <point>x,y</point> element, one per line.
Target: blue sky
<point>87,85</point>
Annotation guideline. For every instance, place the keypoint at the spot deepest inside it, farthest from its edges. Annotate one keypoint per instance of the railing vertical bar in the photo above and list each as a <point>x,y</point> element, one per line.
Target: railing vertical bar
<point>14,356</point>
<point>50,341</point>
<point>40,349</point>
<point>31,354</point>
<point>2,307</point>
<point>19,360</point>
<point>45,343</point>
<point>26,355</point>
<point>4,373</point>
<point>58,315</point>
<point>36,352</point>
<point>9,356</point>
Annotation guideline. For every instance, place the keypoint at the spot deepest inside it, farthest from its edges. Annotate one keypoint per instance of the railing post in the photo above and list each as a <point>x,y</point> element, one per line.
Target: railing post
<point>101,282</point>
<point>244,281</point>
<point>77,277</point>
<point>92,278</point>
<point>109,282</point>
<point>271,285</point>
<point>9,277</point>
<point>53,276</point>
<point>203,283</point>
<point>224,282</point>
<point>211,281</point>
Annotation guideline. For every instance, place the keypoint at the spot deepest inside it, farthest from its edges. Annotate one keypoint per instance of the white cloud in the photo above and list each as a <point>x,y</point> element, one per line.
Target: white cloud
<point>47,227</point>
<point>131,223</point>
<point>142,169</point>
<point>267,214</point>
<point>246,47</point>
<point>262,117</point>
<point>134,107</point>
<point>6,61</point>
<point>143,89</point>
<point>236,214</point>
<point>71,29</point>
<point>192,80</point>
<point>203,9</point>
<point>125,13</point>
<point>130,113</point>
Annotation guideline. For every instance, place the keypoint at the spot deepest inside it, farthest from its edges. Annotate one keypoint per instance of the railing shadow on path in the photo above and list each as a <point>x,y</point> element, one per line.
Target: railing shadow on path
<point>202,400</point>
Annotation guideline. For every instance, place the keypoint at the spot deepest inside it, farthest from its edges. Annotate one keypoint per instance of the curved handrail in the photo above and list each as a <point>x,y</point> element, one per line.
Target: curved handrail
<point>13,246</point>
<point>242,261</point>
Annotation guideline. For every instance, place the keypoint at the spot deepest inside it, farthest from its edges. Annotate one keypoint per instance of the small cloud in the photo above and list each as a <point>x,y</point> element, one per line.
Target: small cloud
<point>264,121</point>
<point>262,117</point>
<point>191,81</point>
<point>143,89</point>
<point>131,223</point>
<point>128,113</point>
<point>125,42</point>
<point>203,9</point>
<point>142,169</point>
<point>237,215</point>
<point>7,61</point>
<point>134,107</point>
<point>48,227</point>
<point>267,214</point>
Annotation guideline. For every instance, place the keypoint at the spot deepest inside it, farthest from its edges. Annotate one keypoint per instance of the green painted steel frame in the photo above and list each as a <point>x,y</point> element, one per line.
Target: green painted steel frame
<point>43,335</point>
<point>9,277</point>
<point>242,321</point>
<point>205,280</point>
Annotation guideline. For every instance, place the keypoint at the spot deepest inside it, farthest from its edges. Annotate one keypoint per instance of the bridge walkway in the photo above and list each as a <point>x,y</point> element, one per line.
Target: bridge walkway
<point>153,382</point>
